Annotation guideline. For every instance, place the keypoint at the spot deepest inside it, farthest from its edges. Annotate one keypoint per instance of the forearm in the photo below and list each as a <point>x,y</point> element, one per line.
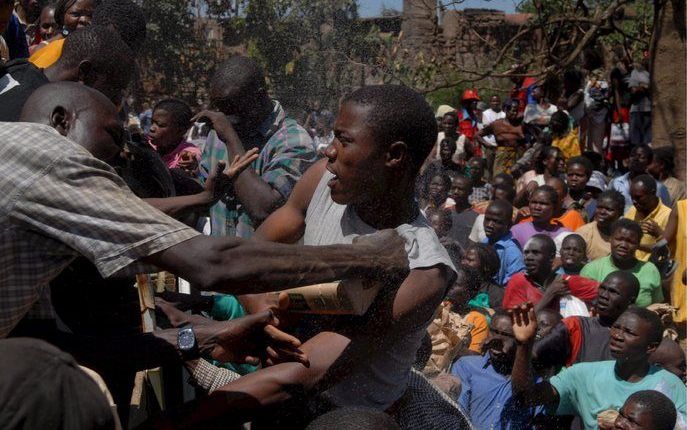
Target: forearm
<point>236,266</point>
<point>257,197</point>
<point>522,379</point>
<point>175,205</point>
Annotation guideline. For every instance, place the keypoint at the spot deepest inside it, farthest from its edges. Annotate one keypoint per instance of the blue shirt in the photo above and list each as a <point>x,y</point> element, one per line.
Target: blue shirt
<point>510,256</point>
<point>16,39</point>
<point>487,397</point>
<point>622,185</point>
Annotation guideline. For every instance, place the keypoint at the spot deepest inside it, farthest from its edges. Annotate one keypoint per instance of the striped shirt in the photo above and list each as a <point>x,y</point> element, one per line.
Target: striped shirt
<point>58,202</point>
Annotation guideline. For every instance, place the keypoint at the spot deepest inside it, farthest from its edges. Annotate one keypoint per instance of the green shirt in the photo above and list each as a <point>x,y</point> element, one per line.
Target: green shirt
<point>586,389</point>
<point>646,272</point>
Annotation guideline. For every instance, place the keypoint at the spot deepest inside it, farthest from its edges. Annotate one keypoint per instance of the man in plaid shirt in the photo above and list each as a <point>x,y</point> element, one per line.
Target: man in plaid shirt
<point>239,91</point>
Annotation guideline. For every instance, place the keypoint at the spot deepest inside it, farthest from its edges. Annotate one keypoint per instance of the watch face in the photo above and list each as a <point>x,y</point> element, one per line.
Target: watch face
<point>186,339</point>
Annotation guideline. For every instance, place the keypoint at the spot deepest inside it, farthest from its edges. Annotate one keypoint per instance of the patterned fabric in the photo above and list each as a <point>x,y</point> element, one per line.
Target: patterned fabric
<point>208,376</point>
<point>481,194</point>
<point>58,202</point>
<point>286,153</point>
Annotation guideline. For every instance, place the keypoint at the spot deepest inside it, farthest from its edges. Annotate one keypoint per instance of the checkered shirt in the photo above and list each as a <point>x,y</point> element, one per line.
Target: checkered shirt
<point>286,152</point>
<point>58,202</point>
<point>481,194</point>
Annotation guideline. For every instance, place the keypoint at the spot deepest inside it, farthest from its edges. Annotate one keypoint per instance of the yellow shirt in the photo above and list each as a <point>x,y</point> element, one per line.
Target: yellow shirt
<point>48,55</point>
<point>660,215</point>
<point>569,145</point>
<point>678,289</point>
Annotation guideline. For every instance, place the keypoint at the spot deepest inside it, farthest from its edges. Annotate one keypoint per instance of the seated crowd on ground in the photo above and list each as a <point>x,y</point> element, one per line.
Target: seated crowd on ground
<point>514,272</point>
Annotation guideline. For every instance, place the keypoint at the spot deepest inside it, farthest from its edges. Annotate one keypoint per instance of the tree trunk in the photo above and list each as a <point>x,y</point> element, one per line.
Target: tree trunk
<point>668,79</point>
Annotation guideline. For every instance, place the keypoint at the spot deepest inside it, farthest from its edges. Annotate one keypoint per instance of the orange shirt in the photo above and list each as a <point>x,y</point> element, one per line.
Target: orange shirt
<point>571,219</point>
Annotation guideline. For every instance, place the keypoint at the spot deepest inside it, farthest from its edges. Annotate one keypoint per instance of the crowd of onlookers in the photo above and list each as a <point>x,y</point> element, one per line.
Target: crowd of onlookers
<point>520,263</point>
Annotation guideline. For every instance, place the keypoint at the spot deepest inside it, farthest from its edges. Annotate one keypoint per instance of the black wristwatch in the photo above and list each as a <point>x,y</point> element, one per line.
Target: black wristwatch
<point>186,342</point>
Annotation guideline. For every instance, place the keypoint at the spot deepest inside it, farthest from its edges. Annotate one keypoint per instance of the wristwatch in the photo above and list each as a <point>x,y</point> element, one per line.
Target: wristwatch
<point>186,342</point>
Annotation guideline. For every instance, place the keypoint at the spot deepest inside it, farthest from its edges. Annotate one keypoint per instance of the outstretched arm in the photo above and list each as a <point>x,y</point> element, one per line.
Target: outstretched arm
<point>522,378</point>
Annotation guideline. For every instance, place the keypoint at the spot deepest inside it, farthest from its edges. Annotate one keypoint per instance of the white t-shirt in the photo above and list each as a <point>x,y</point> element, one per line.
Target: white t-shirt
<point>489,116</point>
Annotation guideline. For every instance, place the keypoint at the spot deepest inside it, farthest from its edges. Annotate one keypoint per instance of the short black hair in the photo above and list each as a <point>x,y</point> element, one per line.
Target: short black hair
<point>548,189</point>
<point>628,278</point>
<point>596,159</point>
<point>655,334</point>
<point>576,237</point>
<point>560,117</point>
<point>61,7</point>
<point>505,177</point>
<point>661,408</point>
<point>488,258</point>
<point>643,147</point>
<point>179,110</point>
<point>500,313</point>
<point>242,73</point>
<point>549,244</point>
<point>627,224</point>
<point>666,156</point>
<point>397,113</point>
<point>564,184</point>
<point>509,190</point>
<point>647,181</point>
<point>354,418</point>
<point>545,153</point>
<point>582,161</point>
<point>504,206</point>
<point>107,53</point>
<point>127,19</point>
<point>614,196</point>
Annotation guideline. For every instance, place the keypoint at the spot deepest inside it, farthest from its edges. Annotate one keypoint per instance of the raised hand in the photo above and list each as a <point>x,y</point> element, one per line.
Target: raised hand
<point>240,163</point>
<point>524,322</point>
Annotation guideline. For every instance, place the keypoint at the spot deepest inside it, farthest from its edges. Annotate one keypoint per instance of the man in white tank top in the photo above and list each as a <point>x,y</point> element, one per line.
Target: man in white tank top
<point>365,184</point>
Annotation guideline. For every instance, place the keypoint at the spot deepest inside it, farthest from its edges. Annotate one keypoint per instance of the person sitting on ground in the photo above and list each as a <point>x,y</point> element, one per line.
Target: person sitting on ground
<point>587,337</point>
<point>649,212</point>
<point>647,409</point>
<point>578,172</point>
<point>586,389</point>
<point>564,136</point>
<point>509,135</point>
<point>95,56</point>
<point>671,357</point>
<point>462,215</point>
<point>461,296</point>
<point>573,255</point>
<point>383,135</point>
<point>662,168</point>
<point>171,121</point>
<point>542,207</point>
<point>626,236</point>
<point>503,192</point>
<point>481,189</point>
<point>497,222</point>
<point>485,260</point>
<point>486,394</point>
<point>641,157</point>
<point>539,284</point>
<point>597,234</point>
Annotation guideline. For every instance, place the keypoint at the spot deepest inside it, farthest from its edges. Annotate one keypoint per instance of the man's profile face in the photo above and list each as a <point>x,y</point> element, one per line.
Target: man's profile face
<point>496,223</point>
<point>95,126</point>
<point>633,416</point>
<point>624,244</point>
<point>354,158</point>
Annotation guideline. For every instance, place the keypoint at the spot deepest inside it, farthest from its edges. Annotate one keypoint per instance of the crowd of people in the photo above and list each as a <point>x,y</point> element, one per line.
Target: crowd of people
<point>526,259</point>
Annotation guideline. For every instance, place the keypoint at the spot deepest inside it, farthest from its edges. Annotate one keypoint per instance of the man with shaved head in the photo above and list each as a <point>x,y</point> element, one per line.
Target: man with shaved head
<point>649,212</point>
<point>587,337</point>
<point>60,199</point>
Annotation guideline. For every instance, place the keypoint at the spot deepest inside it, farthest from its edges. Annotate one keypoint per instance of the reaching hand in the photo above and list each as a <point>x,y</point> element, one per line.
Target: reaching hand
<point>524,322</point>
<point>240,163</point>
<point>559,287</point>
<point>240,340</point>
<point>220,179</point>
<point>651,227</point>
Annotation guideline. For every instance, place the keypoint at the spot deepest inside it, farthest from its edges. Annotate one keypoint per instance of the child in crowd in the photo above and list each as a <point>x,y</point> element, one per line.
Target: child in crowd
<point>497,222</point>
<point>461,296</point>
<point>171,121</point>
